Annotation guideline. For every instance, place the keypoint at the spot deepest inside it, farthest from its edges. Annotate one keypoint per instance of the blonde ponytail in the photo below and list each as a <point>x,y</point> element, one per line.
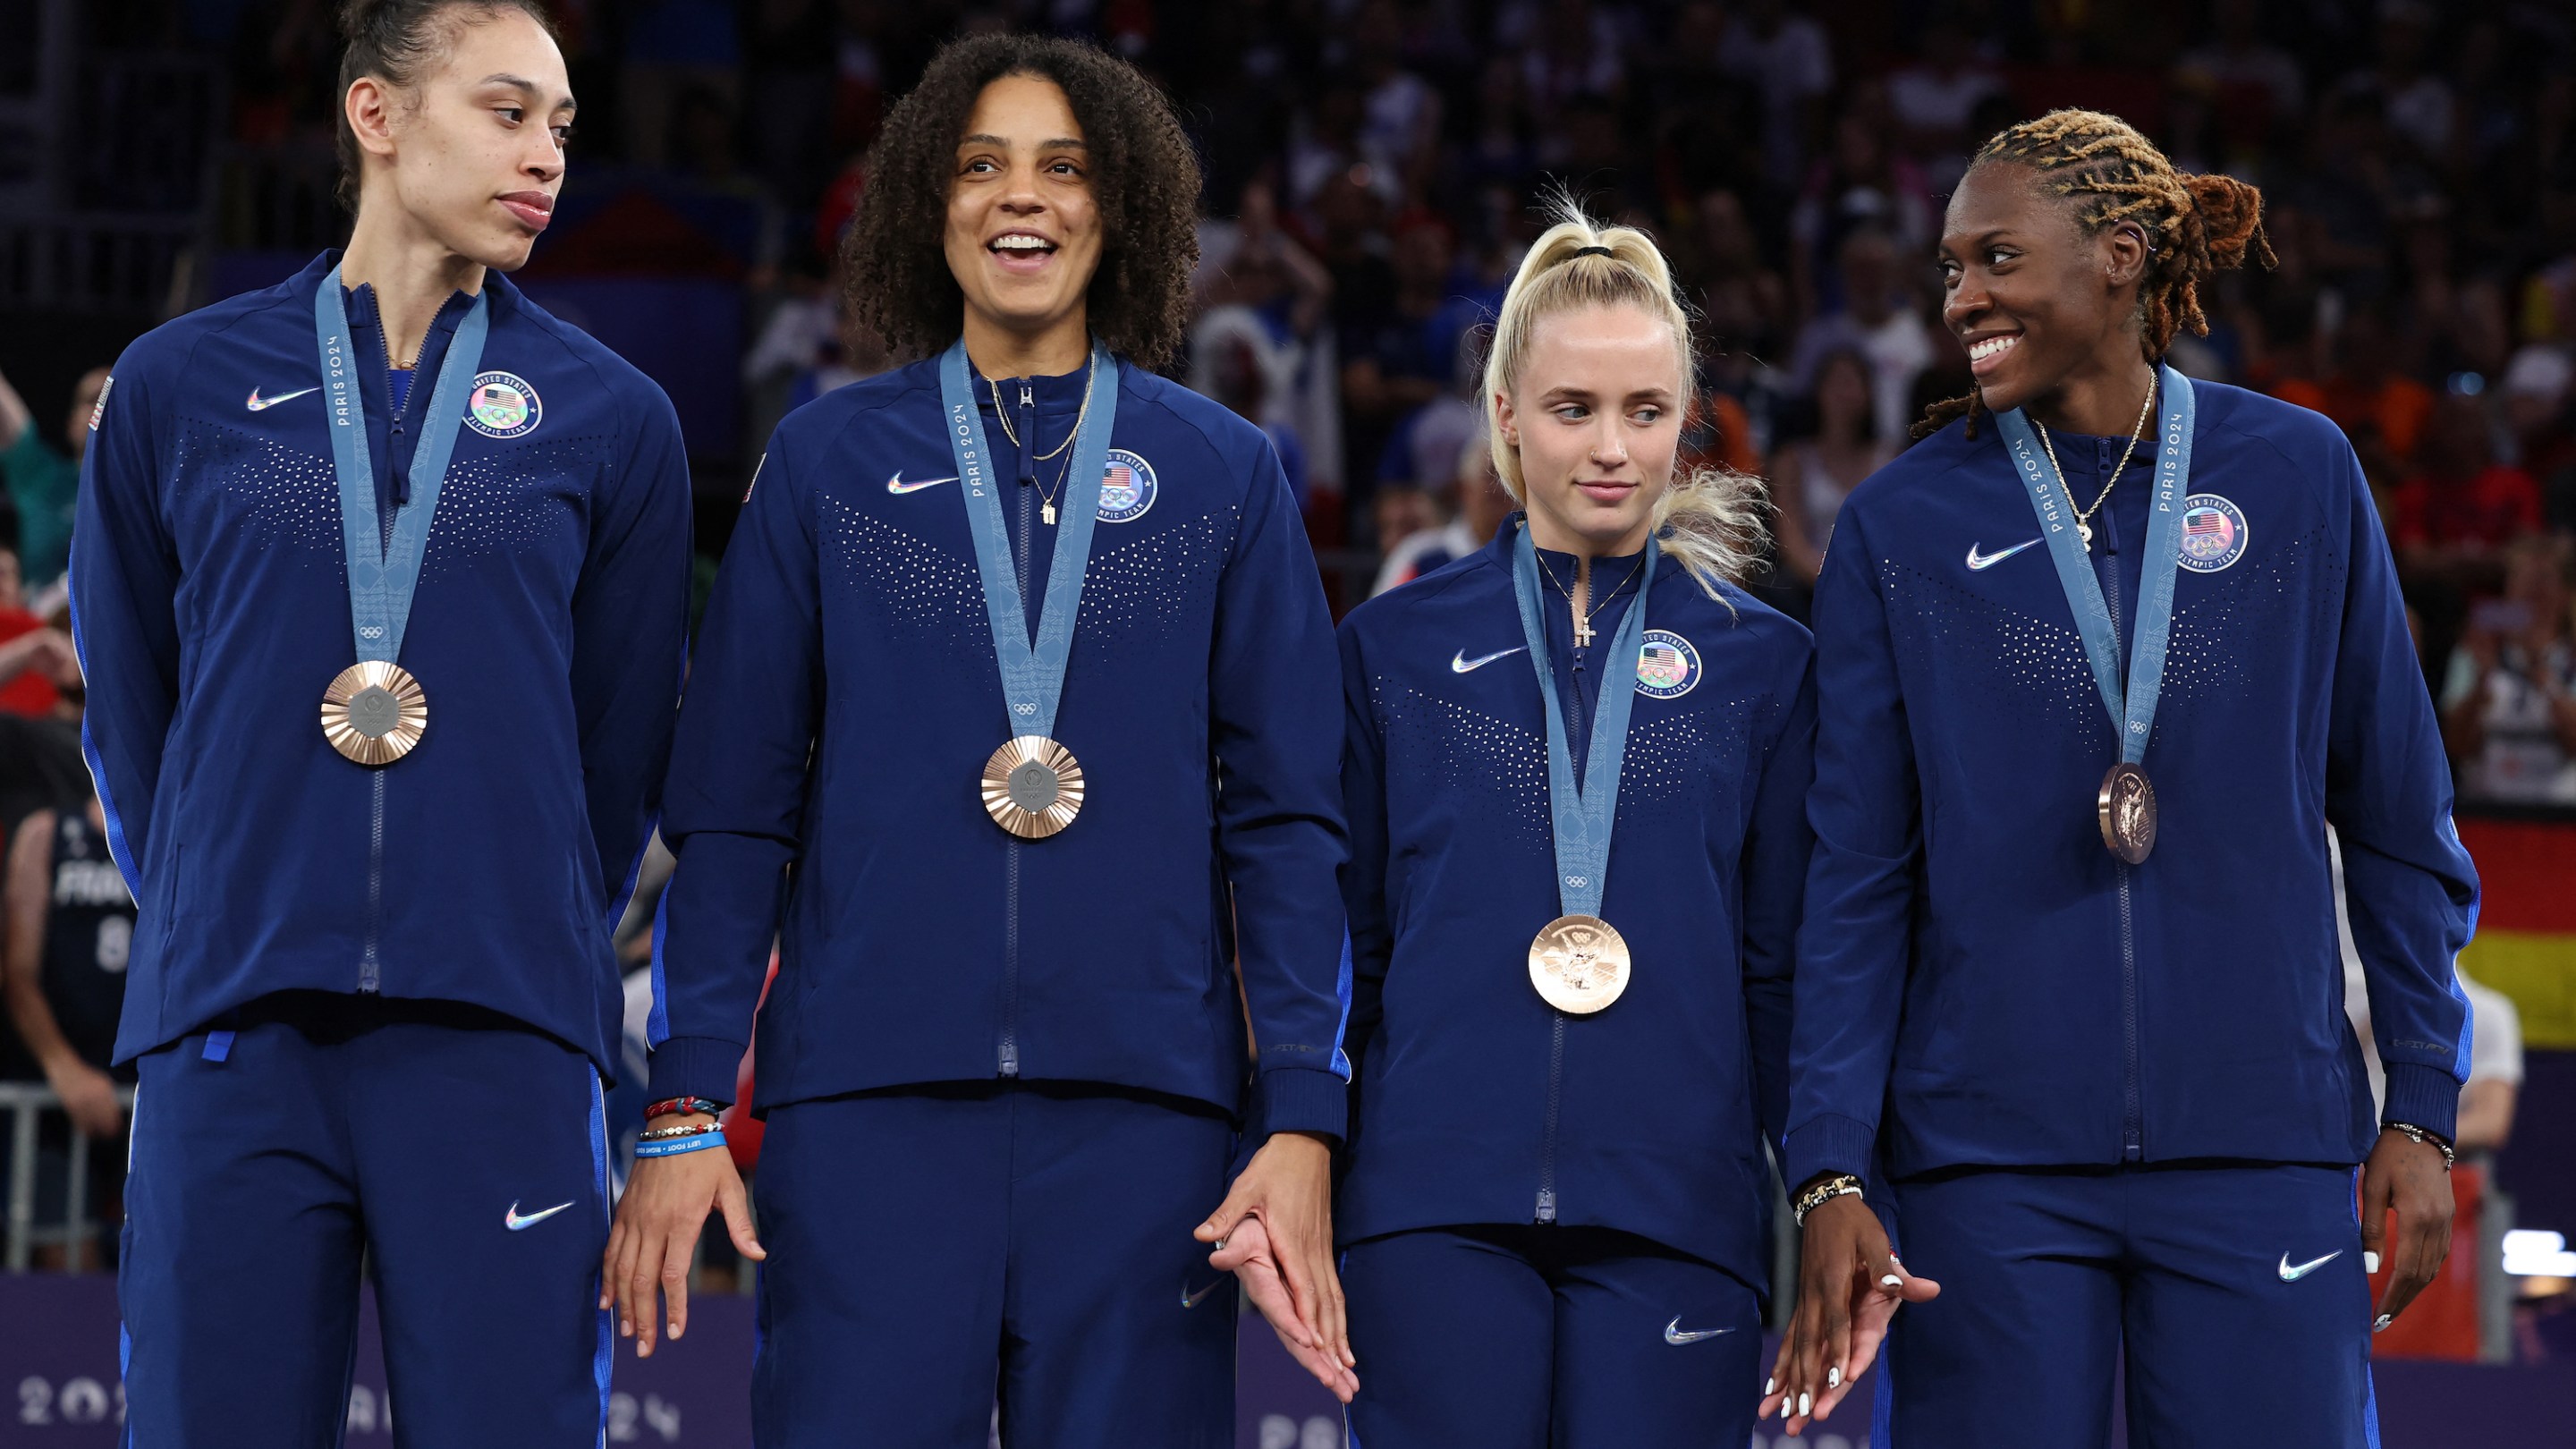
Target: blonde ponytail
<point>1709,518</point>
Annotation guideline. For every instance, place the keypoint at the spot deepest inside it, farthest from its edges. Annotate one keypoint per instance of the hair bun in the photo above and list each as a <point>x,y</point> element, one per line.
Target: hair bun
<point>2231,217</point>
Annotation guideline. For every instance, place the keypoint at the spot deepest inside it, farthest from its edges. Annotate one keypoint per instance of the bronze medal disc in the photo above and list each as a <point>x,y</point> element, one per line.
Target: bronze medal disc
<point>2127,807</point>
<point>1032,787</point>
<point>374,712</point>
<point>1579,964</point>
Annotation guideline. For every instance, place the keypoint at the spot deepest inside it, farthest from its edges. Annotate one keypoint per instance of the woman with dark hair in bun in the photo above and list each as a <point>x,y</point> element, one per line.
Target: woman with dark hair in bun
<point>2099,661</point>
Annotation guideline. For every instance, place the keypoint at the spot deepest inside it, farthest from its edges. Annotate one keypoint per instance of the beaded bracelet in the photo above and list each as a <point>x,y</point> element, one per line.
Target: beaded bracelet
<point>674,1146</point>
<point>2419,1137</point>
<point>670,1106</point>
<point>686,1129</point>
<point>1841,1184</point>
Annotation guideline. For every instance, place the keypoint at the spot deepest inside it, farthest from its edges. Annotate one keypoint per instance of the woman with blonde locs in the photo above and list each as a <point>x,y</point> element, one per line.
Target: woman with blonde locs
<point>2099,661</point>
<point>1575,766</point>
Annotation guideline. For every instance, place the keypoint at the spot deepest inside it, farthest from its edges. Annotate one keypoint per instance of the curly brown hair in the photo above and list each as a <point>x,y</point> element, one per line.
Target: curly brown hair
<point>2196,225</point>
<point>1145,179</point>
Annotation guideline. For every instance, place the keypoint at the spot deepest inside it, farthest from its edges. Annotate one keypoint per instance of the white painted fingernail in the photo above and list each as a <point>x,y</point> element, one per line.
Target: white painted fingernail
<point>2381,1326</point>
<point>2370,1262</point>
<point>1770,1386</point>
<point>1805,1402</point>
<point>1788,1406</point>
<point>1891,1281</point>
<point>1834,1377</point>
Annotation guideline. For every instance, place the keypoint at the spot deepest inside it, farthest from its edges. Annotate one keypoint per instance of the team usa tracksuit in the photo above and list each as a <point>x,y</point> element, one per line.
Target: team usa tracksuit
<point>1002,1078</point>
<point>1557,1226</point>
<point>371,1008</point>
<point>2119,1107</point>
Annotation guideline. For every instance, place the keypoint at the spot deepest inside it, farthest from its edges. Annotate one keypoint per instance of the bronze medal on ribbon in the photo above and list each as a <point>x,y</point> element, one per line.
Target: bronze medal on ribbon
<point>2127,808</point>
<point>374,712</point>
<point>1579,964</point>
<point>1032,787</point>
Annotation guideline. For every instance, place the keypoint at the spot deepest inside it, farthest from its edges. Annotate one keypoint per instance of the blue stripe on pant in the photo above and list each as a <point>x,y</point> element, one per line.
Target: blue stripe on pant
<point>935,1248</point>
<point>2233,1296</point>
<point>410,1134</point>
<point>1515,1337</point>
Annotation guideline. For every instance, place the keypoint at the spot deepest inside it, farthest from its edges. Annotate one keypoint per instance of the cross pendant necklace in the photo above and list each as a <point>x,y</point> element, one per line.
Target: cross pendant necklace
<point>1582,632</point>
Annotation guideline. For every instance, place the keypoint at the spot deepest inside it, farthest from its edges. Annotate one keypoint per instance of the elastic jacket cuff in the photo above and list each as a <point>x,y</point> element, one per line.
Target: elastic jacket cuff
<point>1828,1144</point>
<point>2427,1097</point>
<point>1302,1099</point>
<point>696,1066</point>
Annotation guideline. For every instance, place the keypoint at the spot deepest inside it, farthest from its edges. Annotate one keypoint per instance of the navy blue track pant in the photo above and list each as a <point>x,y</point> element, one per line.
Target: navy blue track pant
<point>463,1156</point>
<point>2234,1295</point>
<point>934,1249</point>
<point>1512,1337</point>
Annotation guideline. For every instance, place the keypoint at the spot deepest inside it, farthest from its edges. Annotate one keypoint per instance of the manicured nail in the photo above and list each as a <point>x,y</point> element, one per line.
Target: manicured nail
<point>1834,1377</point>
<point>1788,1406</point>
<point>2370,1262</point>
<point>2381,1326</point>
<point>1805,1403</point>
<point>1770,1386</point>
<point>1891,1281</point>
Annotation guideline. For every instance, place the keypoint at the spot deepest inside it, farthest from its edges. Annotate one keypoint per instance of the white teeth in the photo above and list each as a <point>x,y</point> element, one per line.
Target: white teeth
<point>1020,244</point>
<point>1991,347</point>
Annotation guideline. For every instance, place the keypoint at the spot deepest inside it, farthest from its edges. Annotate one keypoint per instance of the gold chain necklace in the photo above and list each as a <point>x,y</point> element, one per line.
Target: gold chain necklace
<point>1046,497</point>
<point>2084,516</point>
<point>1583,620</point>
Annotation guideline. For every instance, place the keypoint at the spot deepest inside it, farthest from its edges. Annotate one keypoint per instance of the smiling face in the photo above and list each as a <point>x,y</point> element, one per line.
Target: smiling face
<point>1596,414</point>
<point>473,154</point>
<point>2032,298</point>
<point>1023,235</point>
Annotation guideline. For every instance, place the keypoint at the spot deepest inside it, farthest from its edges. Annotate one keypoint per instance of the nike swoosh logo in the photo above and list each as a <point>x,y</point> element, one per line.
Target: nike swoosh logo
<point>2292,1275</point>
<point>518,1224</point>
<point>1461,664</point>
<point>1190,1299</point>
<point>1978,560</point>
<point>1673,1333</point>
<point>896,484</point>
<point>260,404</point>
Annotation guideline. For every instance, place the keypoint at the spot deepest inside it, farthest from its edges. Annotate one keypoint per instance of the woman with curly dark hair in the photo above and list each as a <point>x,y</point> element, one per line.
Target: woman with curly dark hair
<point>1029,877</point>
<point>2098,662</point>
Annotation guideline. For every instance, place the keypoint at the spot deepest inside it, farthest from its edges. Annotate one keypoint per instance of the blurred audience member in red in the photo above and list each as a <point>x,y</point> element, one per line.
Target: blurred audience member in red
<point>2461,505</point>
<point>2509,696</point>
<point>2366,387</point>
<point>35,659</point>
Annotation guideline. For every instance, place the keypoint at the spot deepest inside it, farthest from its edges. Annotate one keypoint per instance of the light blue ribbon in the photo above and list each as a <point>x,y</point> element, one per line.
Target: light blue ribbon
<point>1583,816</point>
<point>385,572</point>
<point>2133,712</point>
<point>1032,670</point>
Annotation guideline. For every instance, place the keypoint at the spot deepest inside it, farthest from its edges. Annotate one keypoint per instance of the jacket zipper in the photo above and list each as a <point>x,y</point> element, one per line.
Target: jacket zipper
<point>2132,1147</point>
<point>1010,1051</point>
<point>1577,742</point>
<point>371,956</point>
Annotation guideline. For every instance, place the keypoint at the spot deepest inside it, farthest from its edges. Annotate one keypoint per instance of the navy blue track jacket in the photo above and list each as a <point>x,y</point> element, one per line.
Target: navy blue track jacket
<point>1979,976</point>
<point>1477,1102</point>
<point>844,698</point>
<point>210,604</point>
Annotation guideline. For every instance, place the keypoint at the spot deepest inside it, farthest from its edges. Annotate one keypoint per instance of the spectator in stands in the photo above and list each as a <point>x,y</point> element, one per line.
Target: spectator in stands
<point>36,659</point>
<point>1787,58</point>
<point>2509,694</point>
<point>2365,387</point>
<point>1859,186</point>
<point>1934,98</point>
<point>69,928</point>
<point>2256,85</point>
<point>1475,506</point>
<point>2462,505</point>
<point>43,480</point>
<point>1879,320</point>
<point>1812,475</point>
<point>2539,386</point>
<point>1396,361</point>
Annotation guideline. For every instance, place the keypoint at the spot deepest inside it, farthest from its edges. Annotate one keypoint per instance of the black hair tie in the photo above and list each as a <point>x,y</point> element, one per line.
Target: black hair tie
<point>1592,251</point>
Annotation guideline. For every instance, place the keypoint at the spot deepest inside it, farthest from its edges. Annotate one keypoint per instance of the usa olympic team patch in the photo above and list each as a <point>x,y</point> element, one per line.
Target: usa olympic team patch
<point>2213,533</point>
<point>503,406</point>
<point>1667,665</point>
<point>1127,490</point>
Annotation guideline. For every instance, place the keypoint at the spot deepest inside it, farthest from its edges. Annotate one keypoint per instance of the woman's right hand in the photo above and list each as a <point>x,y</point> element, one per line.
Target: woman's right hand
<point>1849,1287</point>
<point>656,1237</point>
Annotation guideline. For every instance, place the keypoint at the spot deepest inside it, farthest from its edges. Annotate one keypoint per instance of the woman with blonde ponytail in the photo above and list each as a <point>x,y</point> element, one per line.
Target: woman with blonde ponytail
<point>1575,769</point>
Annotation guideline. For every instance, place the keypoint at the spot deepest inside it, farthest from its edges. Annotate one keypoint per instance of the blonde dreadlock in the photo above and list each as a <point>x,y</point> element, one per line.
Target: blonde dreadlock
<point>2195,225</point>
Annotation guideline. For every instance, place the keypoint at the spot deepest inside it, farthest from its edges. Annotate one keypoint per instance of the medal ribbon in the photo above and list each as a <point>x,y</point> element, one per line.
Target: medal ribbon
<point>2133,713</point>
<point>1583,816</point>
<point>1032,670</point>
<point>384,573</point>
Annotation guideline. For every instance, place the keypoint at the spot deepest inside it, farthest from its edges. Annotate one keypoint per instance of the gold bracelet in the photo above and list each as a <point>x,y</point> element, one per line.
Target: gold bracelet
<point>1841,1184</point>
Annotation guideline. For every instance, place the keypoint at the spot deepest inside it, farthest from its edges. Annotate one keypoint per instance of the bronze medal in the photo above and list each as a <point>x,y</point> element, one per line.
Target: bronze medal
<point>1032,787</point>
<point>374,712</point>
<point>1579,964</point>
<point>2127,807</point>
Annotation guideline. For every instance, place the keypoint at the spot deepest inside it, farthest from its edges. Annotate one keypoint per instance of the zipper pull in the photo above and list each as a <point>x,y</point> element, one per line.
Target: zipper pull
<point>1029,435</point>
<point>1546,1205</point>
